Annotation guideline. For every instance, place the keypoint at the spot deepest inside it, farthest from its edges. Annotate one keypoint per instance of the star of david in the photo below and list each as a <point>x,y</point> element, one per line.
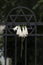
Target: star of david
<point>27,20</point>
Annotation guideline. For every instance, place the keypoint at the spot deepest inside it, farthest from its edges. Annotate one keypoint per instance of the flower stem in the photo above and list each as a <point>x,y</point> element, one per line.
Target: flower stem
<point>22,39</point>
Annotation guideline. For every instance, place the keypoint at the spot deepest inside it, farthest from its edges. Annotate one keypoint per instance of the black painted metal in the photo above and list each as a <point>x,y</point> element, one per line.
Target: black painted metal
<point>25,51</point>
<point>27,23</point>
<point>15,50</point>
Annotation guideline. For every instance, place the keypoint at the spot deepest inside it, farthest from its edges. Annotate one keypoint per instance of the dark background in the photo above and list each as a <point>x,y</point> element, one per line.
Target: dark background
<point>37,7</point>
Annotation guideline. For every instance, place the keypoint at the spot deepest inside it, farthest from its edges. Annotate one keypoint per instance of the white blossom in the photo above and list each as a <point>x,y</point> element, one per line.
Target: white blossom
<point>2,27</point>
<point>25,31</point>
<point>15,28</point>
<point>2,59</point>
<point>21,33</point>
<point>18,30</point>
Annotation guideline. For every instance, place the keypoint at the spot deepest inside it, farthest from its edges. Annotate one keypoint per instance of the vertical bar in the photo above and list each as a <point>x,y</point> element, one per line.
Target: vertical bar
<point>5,43</point>
<point>5,50</point>
<point>35,45</point>
<point>35,51</point>
<point>26,51</point>
<point>15,50</point>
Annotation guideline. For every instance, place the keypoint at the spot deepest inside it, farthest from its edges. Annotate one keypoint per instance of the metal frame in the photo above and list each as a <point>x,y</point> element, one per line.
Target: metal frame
<point>35,24</point>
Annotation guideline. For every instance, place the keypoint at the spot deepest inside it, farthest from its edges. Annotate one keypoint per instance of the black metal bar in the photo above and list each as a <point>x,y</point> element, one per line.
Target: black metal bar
<point>26,51</point>
<point>20,15</point>
<point>5,48</point>
<point>20,23</point>
<point>15,50</point>
<point>5,44</point>
<point>36,45</point>
<point>29,35</point>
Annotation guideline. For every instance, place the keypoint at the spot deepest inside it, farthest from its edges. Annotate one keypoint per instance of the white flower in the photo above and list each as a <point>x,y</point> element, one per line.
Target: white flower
<point>15,28</point>
<point>18,30</point>
<point>21,33</point>
<point>25,31</point>
<point>2,59</point>
<point>2,27</point>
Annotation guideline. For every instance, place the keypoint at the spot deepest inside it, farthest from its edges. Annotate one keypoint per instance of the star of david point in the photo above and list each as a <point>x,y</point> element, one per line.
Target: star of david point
<point>11,16</point>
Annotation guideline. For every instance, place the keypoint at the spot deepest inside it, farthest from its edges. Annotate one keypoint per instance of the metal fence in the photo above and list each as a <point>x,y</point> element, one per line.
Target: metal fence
<point>12,20</point>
